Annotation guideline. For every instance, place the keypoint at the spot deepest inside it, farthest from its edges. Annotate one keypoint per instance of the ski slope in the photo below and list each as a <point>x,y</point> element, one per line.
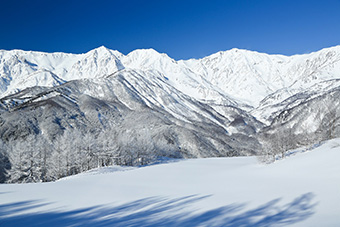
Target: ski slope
<point>301,190</point>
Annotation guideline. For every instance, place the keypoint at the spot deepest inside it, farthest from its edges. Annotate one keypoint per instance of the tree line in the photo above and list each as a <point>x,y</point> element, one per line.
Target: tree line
<point>37,158</point>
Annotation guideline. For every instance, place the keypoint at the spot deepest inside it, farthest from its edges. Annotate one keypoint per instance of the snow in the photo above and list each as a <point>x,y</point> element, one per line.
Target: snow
<point>301,190</point>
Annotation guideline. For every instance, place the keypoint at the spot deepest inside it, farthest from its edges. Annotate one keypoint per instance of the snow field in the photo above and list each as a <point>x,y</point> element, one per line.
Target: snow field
<point>301,190</point>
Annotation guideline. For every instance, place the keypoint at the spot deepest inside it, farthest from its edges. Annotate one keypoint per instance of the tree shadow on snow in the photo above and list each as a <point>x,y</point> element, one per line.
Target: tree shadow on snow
<point>157,211</point>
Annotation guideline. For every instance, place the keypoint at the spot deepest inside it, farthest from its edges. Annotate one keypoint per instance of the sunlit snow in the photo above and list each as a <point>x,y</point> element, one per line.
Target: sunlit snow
<point>301,190</point>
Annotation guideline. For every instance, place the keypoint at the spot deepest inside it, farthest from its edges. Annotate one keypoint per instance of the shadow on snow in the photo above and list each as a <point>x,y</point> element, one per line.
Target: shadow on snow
<point>157,211</point>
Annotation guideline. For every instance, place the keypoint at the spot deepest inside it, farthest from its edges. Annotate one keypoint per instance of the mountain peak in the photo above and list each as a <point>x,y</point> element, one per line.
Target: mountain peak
<point>144,52</point>
<point>102,48</point>
<point>104,51</point>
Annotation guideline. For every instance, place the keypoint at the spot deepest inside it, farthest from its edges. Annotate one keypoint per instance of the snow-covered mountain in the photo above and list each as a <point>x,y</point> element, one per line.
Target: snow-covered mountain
<point>220,105</point>
<point>128,100</point>
<point>236,77</point>
<point>129,115</point>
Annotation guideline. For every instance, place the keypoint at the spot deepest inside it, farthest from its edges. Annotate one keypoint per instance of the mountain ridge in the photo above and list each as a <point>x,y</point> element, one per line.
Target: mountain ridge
<point>215,77</point>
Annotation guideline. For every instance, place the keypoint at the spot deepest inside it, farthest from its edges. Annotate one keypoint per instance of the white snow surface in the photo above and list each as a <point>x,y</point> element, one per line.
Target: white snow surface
<point>301,190</point>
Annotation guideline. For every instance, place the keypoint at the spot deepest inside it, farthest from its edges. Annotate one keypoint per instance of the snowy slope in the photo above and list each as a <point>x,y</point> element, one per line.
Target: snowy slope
<point>22,69</point>
<point>302,190</point>
<point>251,76</point>
<point>134,106</point>
<point>269,109</point>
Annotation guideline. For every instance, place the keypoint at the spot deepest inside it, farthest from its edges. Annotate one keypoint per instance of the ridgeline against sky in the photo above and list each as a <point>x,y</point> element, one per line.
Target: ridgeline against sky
<point>181,28</point>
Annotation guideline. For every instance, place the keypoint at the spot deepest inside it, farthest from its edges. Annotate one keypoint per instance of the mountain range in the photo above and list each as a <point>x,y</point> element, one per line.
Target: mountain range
<point>220,105</point>
<point>238,77</point>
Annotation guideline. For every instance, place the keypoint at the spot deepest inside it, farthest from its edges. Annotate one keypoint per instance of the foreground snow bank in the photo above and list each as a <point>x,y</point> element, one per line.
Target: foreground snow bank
<point>302,190</point>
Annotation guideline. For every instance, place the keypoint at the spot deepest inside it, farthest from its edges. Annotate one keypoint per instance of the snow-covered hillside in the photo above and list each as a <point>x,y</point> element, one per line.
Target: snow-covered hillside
<point>301,190</point>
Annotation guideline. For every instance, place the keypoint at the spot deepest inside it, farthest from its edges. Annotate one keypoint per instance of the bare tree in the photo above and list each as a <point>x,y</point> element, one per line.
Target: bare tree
<point>277,144</point>
<point>4,161</point>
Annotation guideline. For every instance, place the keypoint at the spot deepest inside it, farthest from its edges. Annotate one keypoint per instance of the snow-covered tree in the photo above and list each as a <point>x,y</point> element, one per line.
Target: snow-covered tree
<point>276,144</point>
<point>4,161</point>
<point>25,162</point>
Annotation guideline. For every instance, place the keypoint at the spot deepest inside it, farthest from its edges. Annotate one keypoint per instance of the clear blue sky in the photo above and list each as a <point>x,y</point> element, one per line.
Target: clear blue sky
<point>182,29</point>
